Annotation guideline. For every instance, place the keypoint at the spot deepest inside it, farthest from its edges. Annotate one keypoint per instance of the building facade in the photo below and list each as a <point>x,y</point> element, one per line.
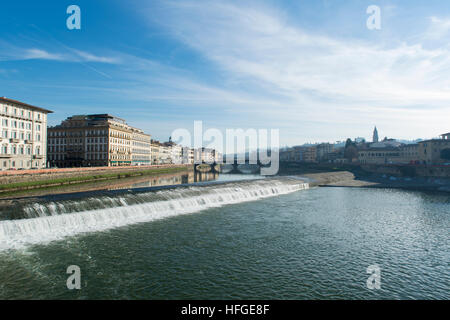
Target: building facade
<point>141,151</point>
<point>299,154</point>
<point>155,145</point>
<point>97,140</point>
<point>430,151</point>
<point>165,154</point>
<point>323,151</point>
<point>379,156</point>
<point>23,135</point>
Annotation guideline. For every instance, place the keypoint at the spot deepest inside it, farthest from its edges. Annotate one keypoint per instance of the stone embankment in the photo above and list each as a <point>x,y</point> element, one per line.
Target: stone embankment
<point>32,179</point>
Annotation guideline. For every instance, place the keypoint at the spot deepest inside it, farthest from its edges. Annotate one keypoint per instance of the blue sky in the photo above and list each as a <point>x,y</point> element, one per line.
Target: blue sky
<point>309,68</point>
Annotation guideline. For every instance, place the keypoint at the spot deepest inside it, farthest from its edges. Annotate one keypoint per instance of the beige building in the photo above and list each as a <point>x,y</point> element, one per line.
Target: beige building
<point>323,151</point>
<point>409,154</point>
<point>141,150</point>
<point>299,154</point>
<point>23,135</point>
<point>96,140</point>
<point>187,155</point>
<point>425,152</point>
<point>204,155</point>
<point>155,146</point>
<point>430,150</point>
<point>379,156</point>
<point>165,154</point>
<point>175,152</point>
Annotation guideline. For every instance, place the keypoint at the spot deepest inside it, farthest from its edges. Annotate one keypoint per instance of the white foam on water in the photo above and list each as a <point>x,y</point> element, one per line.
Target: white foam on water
<point>54,223</point>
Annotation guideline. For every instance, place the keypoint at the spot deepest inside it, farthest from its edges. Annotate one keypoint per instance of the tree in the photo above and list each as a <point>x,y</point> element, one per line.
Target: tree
<point>351,152</point>
<point>348,143</point>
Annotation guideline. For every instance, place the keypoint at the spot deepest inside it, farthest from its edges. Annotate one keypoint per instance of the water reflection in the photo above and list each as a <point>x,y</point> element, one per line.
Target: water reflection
<point>205,176</point>
<point>168,179</point>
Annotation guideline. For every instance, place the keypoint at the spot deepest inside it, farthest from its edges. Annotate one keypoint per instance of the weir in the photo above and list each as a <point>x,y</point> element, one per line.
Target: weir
<point>46,220</point>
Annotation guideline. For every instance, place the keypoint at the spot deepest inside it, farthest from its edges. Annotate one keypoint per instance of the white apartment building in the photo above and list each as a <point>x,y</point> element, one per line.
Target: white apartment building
<point>23,138</point>
<point>141,148</point>
<point>165,154</point>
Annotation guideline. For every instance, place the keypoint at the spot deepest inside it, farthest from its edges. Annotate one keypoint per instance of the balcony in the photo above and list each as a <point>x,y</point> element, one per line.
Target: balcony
<point>14,140</point>
<point>28,141</point>
<point>5,156</point>
<point>38,156</point>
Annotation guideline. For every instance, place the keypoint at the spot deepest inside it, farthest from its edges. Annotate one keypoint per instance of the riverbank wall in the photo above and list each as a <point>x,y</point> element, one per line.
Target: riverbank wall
<point>32,179</point>
<point>375,180</point>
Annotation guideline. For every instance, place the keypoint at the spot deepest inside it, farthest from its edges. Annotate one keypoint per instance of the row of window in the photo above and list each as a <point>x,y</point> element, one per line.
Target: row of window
<point>19,135</point>
<point>19,124</point>
<point>142,151</point>
<point>64,140</point>
<point>76,133</point>
<point>89,156</point>
<point>19,150</point>
<point>20,164</point>
<point>20,112</point>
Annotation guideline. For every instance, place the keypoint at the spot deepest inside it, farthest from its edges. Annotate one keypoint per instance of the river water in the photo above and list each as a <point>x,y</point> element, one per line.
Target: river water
<point>259,239</point>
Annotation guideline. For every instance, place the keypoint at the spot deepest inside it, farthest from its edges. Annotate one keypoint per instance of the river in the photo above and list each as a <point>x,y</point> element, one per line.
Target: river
<point>258,239</point>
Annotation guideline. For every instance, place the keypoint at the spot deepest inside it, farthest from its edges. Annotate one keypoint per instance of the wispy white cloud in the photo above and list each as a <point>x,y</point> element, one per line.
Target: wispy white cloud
<point>89,57</point>
<point>438,28</point>
<point>314,75</point>
<point>11,52</point>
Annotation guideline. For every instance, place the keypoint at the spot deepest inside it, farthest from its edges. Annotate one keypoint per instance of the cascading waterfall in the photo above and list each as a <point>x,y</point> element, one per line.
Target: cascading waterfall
<point>48,220</point>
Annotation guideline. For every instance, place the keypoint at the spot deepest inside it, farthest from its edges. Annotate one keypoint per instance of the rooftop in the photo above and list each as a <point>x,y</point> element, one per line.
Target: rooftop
<point>6,100</point>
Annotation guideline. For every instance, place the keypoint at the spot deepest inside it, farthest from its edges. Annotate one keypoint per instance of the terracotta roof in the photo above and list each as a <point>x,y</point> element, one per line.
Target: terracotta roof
<point>3,99</point>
